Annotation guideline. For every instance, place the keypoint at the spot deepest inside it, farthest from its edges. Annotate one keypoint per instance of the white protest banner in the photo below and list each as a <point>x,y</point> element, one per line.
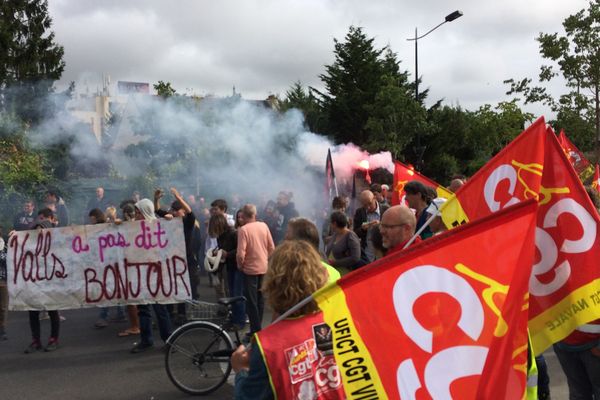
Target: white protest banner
<point>135,262</point>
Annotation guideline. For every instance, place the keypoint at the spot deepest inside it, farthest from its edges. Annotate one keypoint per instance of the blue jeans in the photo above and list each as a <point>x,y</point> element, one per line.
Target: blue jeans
<point>162,317</point>
<point>235,283</point>
<point>582,369</point>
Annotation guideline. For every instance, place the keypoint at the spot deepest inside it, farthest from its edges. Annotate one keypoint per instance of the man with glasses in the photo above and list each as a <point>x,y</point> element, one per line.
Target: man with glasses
<point>365,218</point>
<point>397,227</point>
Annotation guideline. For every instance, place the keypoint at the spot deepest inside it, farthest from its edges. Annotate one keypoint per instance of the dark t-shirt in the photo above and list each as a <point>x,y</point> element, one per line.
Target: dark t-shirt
<point>191,234</point>
<point>101,204</point>
<point>228,242</point>
<point>24,221</point>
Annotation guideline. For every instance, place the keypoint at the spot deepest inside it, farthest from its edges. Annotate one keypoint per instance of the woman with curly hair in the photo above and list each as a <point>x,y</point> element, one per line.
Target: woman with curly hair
<point>262,371</point>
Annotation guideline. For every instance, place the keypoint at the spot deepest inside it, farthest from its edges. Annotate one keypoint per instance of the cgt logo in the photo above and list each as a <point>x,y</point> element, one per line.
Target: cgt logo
<point>549,249</point>
<point>508,173</point>
<point>300,359</point>
<point>554,256</point>
<point>328,375</point>
<point>446,365</point>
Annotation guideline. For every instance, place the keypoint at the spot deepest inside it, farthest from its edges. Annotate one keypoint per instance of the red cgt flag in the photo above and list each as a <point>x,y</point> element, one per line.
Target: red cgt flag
<point>565,281</point>
<point>406,173</point>
<point>447,318</point>
<point>581,164</point>
<point>513,175</point>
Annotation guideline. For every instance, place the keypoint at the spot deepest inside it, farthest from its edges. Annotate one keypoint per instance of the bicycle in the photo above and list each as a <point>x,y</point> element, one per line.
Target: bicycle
<point>198,353</point>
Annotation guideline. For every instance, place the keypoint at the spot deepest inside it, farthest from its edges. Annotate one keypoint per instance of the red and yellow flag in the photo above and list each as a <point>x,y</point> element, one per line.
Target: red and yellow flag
<point>449,315</point>
<point>513,175</point>
<point>565,281</point>
<point>581,164</point>
<point>406,173</point>
<point>596,180</point>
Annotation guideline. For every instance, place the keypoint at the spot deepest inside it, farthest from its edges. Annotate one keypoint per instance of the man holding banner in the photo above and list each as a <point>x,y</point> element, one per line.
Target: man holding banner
<point>144,211</point>
<point>34,315</point>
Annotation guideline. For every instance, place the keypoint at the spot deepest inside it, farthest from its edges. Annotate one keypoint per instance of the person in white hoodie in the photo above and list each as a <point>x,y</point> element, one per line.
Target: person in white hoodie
<point>144,210</point>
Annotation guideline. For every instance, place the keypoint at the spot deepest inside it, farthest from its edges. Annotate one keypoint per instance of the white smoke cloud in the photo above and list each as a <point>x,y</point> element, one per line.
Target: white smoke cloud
<point>223,146</point>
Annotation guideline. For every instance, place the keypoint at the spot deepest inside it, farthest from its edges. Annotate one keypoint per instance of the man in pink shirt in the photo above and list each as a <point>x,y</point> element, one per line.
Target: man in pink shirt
<point>255,245</point>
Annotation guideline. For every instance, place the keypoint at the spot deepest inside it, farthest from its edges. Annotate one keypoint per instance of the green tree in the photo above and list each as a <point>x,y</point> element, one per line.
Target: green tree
<point>394,118</point>
<point>22,168</point>
<point>352,83</point>
<point>304,100</point>
<point>447,151</point>
<point>462,141</point>
<point>577,55</point>
<point>164,89</point>
<point>30,60</point>
<point>494,128</point>
<point>369,101</point>
<point>578,124</point>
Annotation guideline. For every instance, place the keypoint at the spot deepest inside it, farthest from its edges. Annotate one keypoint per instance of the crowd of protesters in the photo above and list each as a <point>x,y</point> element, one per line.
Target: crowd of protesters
<point>243,239</point>
<point>249,250</point>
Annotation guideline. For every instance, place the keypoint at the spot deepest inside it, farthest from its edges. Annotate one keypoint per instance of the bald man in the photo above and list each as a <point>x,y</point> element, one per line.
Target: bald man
<point>365,218</point>
<point>397,227</point>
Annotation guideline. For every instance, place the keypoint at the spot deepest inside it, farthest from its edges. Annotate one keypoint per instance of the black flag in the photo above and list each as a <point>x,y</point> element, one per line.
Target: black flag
<point>330,181</point>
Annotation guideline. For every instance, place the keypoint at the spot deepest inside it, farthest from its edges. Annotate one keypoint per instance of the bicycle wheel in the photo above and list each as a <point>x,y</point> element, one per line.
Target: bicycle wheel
<point>198,358</point>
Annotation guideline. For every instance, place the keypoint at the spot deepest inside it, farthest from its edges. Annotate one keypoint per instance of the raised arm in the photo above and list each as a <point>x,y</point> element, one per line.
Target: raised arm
<point>158,194</point>
<point>178,197</point>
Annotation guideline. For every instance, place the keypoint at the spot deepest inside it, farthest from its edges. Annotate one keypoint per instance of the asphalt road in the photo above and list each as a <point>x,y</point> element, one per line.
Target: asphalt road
<point>90,363</point>
<point>96,364</point>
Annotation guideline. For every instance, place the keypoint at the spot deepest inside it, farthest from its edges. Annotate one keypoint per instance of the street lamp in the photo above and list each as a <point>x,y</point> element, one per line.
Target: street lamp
<point>420,150</point>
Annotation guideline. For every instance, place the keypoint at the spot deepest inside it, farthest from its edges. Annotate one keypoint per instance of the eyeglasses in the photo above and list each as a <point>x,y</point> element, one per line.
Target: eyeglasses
<point>389,226</point>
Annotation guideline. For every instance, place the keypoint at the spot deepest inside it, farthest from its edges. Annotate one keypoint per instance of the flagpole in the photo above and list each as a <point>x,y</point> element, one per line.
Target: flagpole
<point>329,163</point>
<point>335,186</point>
<point>421,229</point>
<point>293,309</point>
<point>310,298</point>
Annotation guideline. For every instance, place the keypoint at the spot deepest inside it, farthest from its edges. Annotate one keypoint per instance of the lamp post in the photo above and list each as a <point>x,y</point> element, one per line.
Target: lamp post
<point>420,150</point>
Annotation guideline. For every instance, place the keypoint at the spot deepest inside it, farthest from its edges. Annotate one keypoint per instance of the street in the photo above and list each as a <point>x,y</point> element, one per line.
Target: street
<point>89,364</point>
<point>96,364</point>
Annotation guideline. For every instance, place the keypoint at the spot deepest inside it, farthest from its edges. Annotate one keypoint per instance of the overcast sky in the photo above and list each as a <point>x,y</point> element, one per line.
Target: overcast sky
<point>262,47</point>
